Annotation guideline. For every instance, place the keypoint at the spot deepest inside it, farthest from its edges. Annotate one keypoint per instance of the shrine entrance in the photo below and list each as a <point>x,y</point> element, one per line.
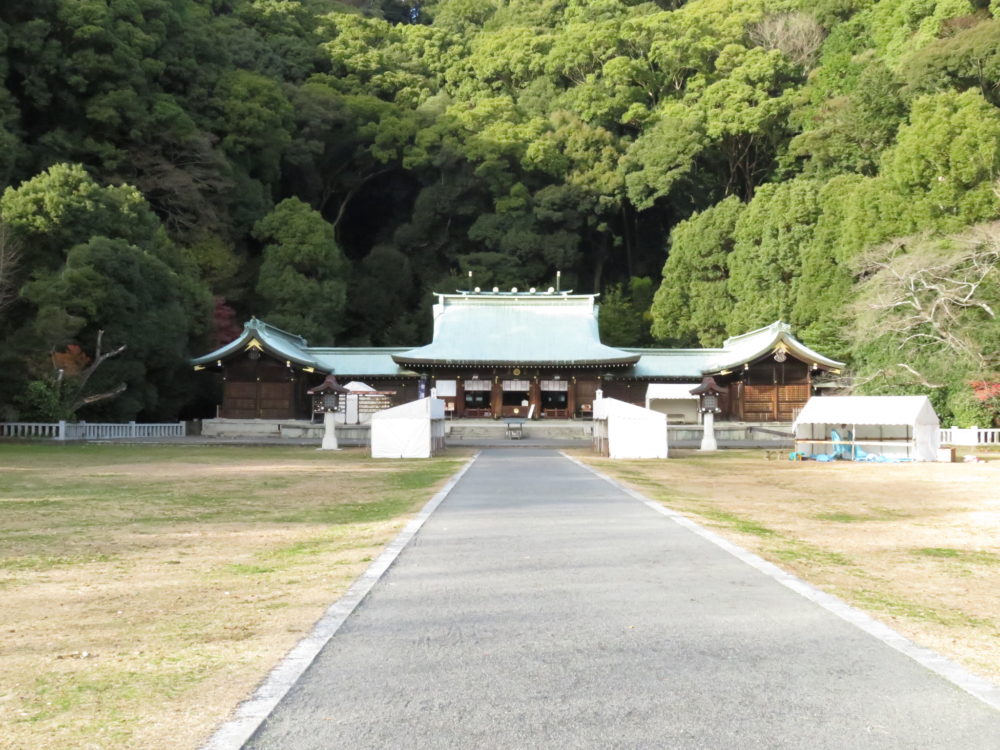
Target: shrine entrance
<point>555,398</point>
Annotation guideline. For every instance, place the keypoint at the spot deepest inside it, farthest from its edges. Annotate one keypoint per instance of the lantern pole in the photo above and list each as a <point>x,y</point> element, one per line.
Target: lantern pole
<point>708,441</point>
<point>709,392</point>
<point>328,397</point>
<point>329,432</point>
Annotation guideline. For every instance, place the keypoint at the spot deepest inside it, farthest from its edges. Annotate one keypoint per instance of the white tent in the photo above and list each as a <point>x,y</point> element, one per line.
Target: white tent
<point>623,430</point>
<point>674,400</point>
<point>868,427</point>
<point>412,430</point>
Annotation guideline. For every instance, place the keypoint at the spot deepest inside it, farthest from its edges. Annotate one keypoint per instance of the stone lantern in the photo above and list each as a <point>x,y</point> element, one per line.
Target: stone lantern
<point>709,392</point>
<point>326,400</point>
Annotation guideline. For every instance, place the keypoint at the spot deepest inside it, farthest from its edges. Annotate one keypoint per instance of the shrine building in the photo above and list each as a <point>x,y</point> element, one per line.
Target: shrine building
<point>528,354</point>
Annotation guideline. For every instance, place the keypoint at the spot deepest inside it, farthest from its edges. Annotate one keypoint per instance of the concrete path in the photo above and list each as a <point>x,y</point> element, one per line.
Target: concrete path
<point>541,607</point>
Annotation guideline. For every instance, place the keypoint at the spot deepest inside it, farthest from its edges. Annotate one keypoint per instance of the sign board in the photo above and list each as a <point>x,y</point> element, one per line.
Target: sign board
<point>352,409</point>
<point>447,388</point>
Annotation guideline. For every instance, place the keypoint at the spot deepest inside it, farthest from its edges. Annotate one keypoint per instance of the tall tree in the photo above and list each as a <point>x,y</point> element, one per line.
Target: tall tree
<point>303,278</point>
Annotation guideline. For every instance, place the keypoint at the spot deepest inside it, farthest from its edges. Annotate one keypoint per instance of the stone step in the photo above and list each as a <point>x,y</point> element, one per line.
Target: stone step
<point>541,429</point>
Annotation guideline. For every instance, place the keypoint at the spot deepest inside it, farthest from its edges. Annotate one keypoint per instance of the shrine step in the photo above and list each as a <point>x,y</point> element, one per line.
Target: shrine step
<point>460,429</point>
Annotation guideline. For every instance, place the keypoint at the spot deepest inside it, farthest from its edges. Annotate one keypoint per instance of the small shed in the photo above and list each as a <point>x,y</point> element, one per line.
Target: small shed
<point>675,400</point>
<point>624,430</point>
<point>868,428</point>
<point>411,430</point>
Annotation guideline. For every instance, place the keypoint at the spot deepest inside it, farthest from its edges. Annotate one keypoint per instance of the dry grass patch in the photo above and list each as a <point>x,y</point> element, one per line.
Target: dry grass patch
<point>148,589</point>
<point>916,545</point>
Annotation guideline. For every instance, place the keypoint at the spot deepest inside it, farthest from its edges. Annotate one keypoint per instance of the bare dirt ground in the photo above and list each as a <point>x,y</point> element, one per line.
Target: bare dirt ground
<point>915,545</point>
<point>146,592</point>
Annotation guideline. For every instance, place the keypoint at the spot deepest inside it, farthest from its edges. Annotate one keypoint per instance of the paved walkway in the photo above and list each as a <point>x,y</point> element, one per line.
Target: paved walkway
<point>542,608</point>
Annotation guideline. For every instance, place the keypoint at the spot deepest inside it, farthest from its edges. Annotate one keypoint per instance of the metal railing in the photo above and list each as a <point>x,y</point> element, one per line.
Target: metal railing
<point>91,430</point>
<point>969,436</point>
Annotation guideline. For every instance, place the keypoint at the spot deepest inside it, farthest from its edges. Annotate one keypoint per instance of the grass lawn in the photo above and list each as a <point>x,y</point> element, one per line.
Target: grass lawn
<point>148,589</point>
<point>915,545</point>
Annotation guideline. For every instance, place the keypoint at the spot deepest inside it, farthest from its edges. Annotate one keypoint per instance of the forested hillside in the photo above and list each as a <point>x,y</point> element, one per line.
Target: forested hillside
<point>174,166</point>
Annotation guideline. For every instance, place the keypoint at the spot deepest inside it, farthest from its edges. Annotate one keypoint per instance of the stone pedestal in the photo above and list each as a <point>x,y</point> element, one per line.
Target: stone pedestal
<point>329,433</point>
<point>708,436</point>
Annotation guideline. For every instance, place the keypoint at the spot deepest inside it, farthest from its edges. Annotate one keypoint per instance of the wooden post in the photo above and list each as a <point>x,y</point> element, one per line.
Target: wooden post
<point>535,398</point>
<point>459,397</point>
<point>496,399</point>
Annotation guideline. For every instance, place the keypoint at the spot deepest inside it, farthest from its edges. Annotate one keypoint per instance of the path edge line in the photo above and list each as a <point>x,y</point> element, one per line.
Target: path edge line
<point>252,712</point>
<point>976,686</point>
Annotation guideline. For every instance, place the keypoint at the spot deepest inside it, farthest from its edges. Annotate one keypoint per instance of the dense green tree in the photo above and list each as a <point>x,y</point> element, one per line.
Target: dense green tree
<point>382,299</point>
<point>849,132</point>
<point>138,301</point>
<point>825,286</point>
<point>9,145</point>
<point>664,155</point>
<point>900,26</point>
<point>968,60</point>
<point>765,264</point>
<point>303,277</point>
<point>65,206</point>
<point>95,257</point>
<point>693,302</point>
<point>624,313</point>
<point>946,159</point>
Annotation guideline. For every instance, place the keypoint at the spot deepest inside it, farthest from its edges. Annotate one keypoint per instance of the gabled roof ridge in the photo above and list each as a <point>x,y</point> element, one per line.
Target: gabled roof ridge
<point>283,344</point>
<point>373,349</point>
<point>668,350</point>
<point>256,323</point>
<point>508,298</point>
<point>776,326</point>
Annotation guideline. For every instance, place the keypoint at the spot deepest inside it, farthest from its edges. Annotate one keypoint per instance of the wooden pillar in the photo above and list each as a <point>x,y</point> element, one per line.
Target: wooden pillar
<point>535,397</point>
<point>496,399</point>
<point>258,406</point>
<point>571,398</point>
<point>459,397</point>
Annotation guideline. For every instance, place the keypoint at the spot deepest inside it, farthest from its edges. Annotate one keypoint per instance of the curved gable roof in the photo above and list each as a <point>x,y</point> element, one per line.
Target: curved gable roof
<point>259,335</point>
<point>747,347</point>
<point>507,329</point>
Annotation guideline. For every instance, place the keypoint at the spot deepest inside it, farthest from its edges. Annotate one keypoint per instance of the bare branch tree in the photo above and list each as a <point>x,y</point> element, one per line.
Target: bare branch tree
<point>79,400</point>
<point>796,34</point>
<point>920,291</point>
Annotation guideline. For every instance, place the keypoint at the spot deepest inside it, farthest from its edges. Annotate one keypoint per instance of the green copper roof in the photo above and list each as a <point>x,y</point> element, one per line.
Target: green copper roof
<point>370,361</point>
<point>736,352</point>
<point>749,346</point>
<point>281,344</point>
<point>686,364</point>
<point>507,329</point>
<point>361,361</point>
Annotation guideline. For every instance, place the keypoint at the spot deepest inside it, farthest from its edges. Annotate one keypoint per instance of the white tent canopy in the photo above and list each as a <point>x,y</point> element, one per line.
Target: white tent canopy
<point>411,430</point>
<point>889,426</point>
<point>623,430</point>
